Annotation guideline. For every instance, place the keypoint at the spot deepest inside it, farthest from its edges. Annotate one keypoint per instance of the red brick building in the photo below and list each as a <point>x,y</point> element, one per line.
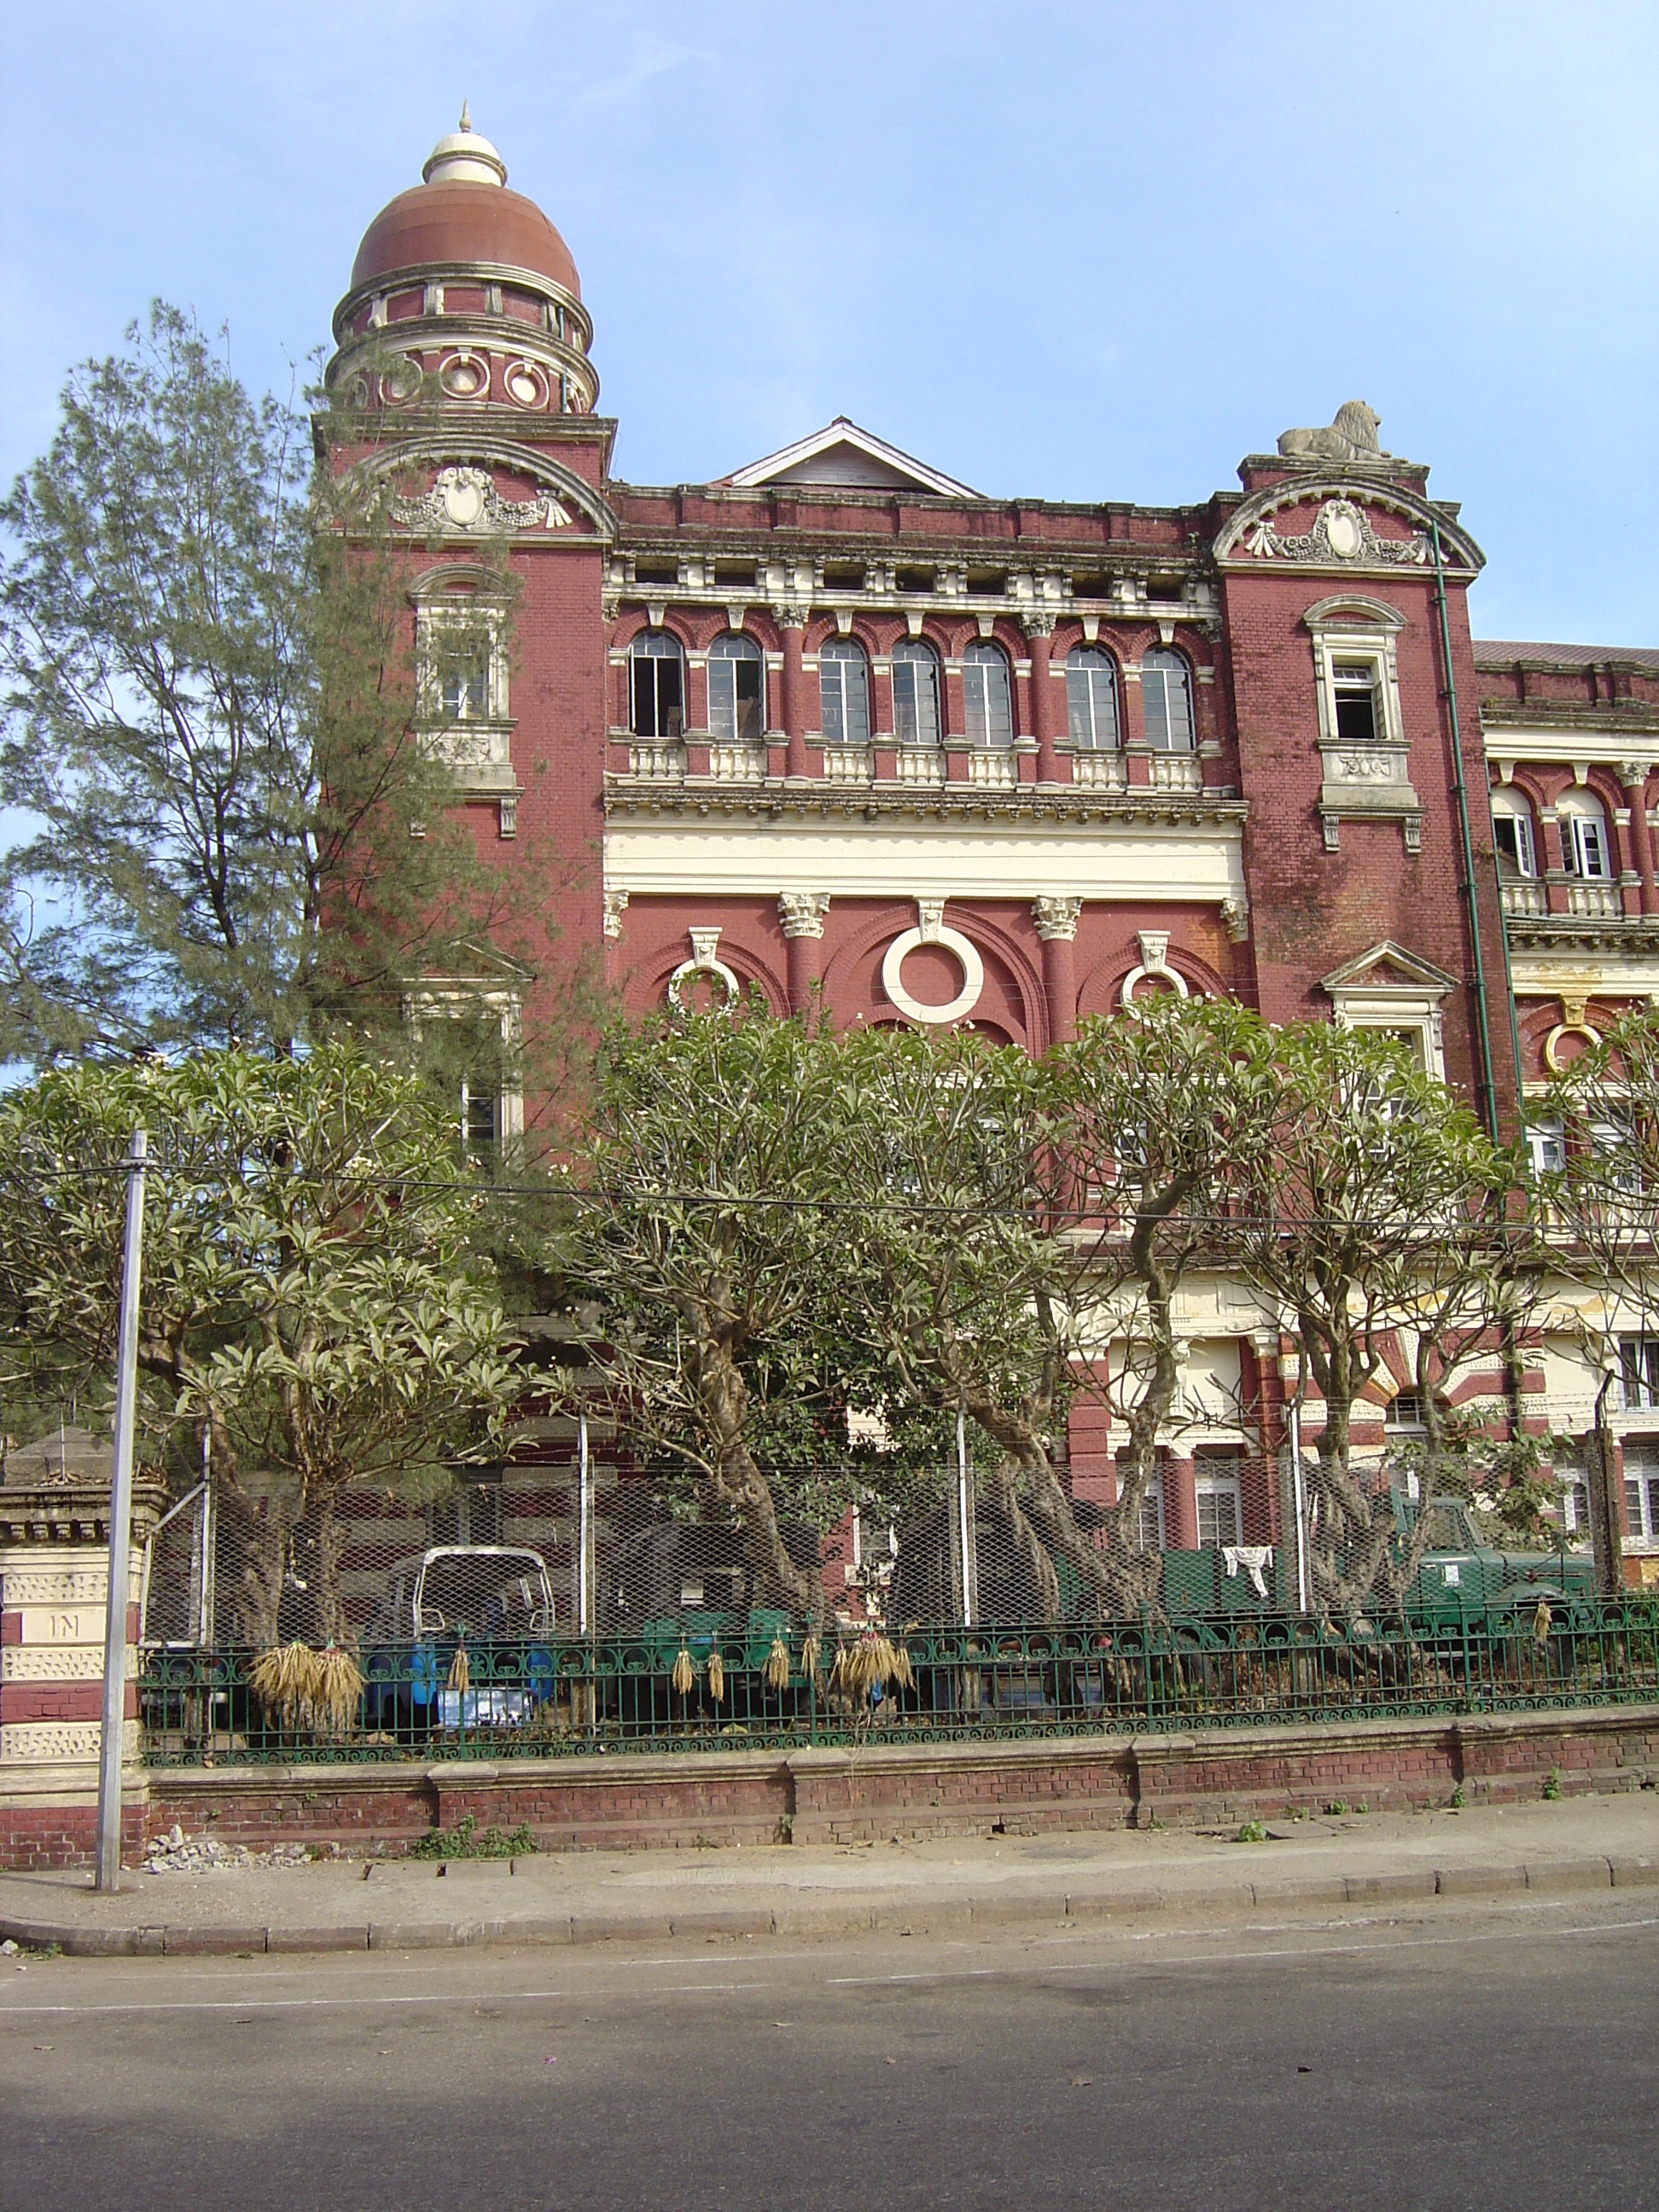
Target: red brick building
<point>838,722</point>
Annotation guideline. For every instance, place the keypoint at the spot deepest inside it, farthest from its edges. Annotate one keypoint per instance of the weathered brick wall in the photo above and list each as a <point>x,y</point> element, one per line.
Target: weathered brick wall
<point>835,1795</point>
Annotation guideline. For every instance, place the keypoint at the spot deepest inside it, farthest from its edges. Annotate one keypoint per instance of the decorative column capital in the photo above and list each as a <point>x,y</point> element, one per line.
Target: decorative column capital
<point>802,913</point>
<point>613,904</point>
<point>1634,774</point>
<point>1236,918</point>
<point>1056,918</point>
<point>789,615</point>
<point>1039,623</point>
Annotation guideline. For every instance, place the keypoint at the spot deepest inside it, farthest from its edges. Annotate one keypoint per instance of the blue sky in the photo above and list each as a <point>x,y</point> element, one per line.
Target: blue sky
<point>1076,251</point>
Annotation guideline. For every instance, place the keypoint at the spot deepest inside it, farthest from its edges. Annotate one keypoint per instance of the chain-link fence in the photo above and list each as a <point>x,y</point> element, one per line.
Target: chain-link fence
<point>563,1604</point>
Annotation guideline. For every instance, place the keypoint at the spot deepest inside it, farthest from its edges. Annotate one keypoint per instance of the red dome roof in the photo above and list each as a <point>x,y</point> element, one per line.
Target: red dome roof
<point>451,220</point>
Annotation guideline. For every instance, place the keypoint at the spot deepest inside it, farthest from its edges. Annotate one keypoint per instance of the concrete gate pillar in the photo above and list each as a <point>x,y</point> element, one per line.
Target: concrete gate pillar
<point>54,1576</point>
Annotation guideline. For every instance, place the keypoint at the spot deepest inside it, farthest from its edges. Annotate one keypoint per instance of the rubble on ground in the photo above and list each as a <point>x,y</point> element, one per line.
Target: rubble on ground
<point>178,1853</point>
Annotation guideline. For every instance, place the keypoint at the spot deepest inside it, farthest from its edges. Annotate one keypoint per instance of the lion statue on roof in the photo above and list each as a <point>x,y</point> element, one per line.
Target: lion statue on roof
<point>1352,437</point>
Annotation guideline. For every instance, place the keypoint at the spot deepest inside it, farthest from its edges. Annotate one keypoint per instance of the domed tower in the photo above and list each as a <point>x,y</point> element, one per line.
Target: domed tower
<point>461,374</point>
<point>464,295</point>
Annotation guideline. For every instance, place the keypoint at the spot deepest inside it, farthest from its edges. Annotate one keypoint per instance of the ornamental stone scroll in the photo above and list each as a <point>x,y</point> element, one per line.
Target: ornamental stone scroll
<point>1154,964</point>
<point>704,961</point>
<point>466,500</point>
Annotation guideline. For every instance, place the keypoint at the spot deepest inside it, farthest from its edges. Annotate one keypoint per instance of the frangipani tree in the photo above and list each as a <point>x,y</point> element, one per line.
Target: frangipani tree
<point>310,1295</point>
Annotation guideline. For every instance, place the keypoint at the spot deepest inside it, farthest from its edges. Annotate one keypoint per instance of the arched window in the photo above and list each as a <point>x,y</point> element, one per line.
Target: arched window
<point>1091,699</point>
<point>1585,845</point>
<point>656,685</point>
<point>736,684</point>
<point>915,693</point>
<point>844,691</point>
<point>984,696</point>
<point>1166,700</point>
<point>1512,832</point>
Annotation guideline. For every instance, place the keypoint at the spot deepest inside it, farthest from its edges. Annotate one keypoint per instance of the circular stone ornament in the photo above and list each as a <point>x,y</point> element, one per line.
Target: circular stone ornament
<point>967,958</point>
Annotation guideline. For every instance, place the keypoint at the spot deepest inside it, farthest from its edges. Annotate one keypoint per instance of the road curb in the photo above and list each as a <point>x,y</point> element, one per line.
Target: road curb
<point>824,1917</point>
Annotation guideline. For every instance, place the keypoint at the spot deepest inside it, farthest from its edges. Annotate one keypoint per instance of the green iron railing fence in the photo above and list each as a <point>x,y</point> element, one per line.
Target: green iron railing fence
<point>763,1684</point>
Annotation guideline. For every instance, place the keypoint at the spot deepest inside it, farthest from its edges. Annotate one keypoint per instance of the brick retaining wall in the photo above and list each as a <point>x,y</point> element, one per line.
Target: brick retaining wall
<point>826,1796</point>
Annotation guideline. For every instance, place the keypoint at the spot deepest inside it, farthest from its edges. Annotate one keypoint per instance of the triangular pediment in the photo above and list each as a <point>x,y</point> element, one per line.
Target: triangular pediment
<point>471,963</point>
<point>1387,967</point>
<point>843,455</point>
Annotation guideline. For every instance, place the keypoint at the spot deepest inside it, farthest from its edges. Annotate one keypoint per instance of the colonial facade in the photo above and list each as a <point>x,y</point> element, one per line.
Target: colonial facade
<point>837,724</point>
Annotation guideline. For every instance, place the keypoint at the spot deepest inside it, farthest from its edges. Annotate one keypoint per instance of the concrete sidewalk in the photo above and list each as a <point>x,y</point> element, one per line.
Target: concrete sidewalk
<point>1580,1843</point>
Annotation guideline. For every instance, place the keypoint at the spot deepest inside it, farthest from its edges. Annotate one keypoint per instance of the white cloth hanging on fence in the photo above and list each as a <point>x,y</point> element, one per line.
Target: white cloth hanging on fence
<point>1252,1557</point>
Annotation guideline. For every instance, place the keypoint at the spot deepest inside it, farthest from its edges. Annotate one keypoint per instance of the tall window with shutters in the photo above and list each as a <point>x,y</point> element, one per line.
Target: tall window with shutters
<point>736,687</point>
<point>1091,699</point>
<point>985,693</point>
<point>1166,701</point>
<point>843,692</point>
<point>915,693</point>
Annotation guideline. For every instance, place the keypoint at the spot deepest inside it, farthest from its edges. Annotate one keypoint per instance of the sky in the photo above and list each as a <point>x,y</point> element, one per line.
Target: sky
<point>1068,251</point>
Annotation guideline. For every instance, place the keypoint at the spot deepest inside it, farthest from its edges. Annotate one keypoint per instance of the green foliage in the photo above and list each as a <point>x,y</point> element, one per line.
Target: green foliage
<point>213,723</point>
<point>463,1842</point>
<point>310,1295</point>
<point>709,1248</point>
<point>1251,1832</point>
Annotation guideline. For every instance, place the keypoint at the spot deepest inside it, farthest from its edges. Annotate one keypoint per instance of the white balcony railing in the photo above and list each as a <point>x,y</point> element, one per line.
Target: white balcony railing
<point>659,760</point>
<point>992,771</point>
<point>922,764</point>
<point>1523,898</point>
<point>729,763</point>
<point>1099,771</point>
<point>1177,772</point>
<point>847,765</point>
<point>1595,902</point>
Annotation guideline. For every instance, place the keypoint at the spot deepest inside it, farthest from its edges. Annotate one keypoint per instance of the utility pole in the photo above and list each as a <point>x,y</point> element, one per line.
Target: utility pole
<point>120,1529</point>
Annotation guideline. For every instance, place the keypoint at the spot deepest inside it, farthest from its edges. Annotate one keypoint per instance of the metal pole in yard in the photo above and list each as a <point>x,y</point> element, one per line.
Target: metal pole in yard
<point>1301,1541</point>
<point>120,1529</point>
<point>585,1531</point>
<point>965,1519</point>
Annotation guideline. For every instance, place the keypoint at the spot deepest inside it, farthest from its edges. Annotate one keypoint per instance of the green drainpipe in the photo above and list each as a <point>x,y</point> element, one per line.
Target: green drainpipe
<point>1466,886</point>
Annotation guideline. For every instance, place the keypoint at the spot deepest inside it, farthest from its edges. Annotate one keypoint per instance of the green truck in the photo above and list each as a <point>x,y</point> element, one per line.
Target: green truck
<point>1462,1573</point>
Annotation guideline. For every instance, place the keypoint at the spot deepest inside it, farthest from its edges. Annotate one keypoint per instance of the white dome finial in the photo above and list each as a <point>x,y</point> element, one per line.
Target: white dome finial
<point>464,157</point>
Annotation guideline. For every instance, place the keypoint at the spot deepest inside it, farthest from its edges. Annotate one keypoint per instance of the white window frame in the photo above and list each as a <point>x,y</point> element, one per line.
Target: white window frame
<point>1403,1414</point>
<point>1411,1019</point>
<point>1546,1147</point>
<point>1638,1372</point>
<point>1511,808</point>
<point>1586,837</point>
<point>643,648</point>
<point>1216,1480</point>
<point>730,651</point>
<point>1363,781</point>
<point>1642,1491</point>
<point>1151,1504</point>
<point>462,1001</point>
<point>837,657</point>
<point>988,697</point>
<point>449,602</point>
<point>912,656</point>
<point>1158,667</point>
<point>1575,1502</point>
<point>1344,639</point>
<point>1091,669</point>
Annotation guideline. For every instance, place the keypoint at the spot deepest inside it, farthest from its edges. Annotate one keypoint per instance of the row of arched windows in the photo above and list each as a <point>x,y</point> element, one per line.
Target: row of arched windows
<point>737,693</point>
<point>1586,847</point>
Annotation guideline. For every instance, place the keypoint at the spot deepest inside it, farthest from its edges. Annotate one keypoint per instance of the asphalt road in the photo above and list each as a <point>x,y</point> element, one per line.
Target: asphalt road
<point>1493,2056</point>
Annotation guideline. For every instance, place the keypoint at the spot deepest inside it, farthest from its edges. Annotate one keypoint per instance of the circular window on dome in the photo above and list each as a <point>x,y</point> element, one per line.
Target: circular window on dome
<point>401,382</point>
<point>526,384</point>
<point>465,376</point>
